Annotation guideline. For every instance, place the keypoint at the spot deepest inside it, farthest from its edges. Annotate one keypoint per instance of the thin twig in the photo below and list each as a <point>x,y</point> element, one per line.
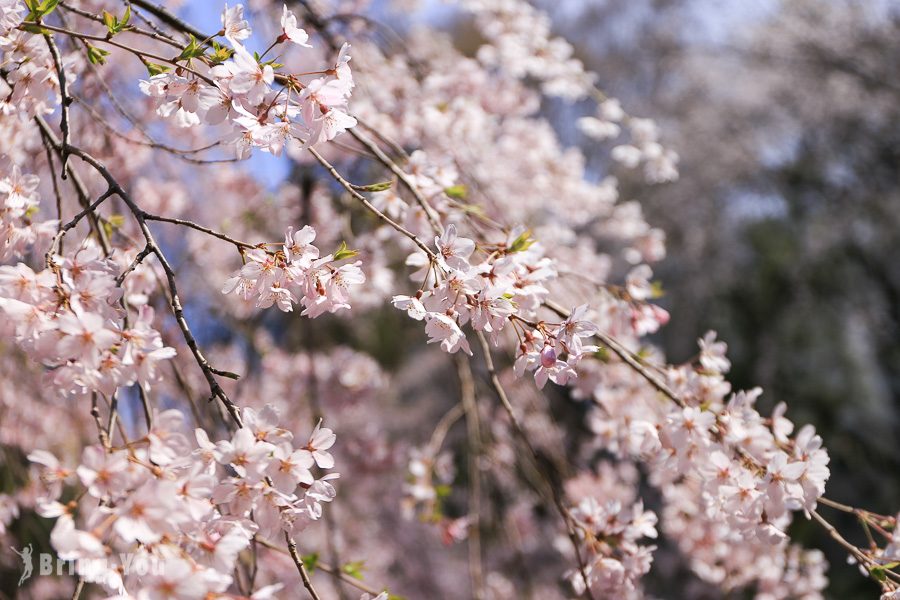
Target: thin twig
<point>365,202</point>
<point>863,559</point>
<point>56,191</point>
<point>520,432</point>
<point>65,101</point>
<point>443,427</point>
<point>384,159</point>
<point>155,35</point>
<point>142,54</point>
<point>169,18</point>
<point>206,230</point>
<point>140,216</point>
<point>326,569</point>
<point>473,431</point>
<point>298,561</point>
<point>57,239</point>
<point>80,188</point>
<point>78,589</point>
<point>627,357</point>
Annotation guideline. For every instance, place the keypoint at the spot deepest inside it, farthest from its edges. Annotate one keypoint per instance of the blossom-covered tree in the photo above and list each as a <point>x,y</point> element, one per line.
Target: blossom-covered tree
<point>160,410</point>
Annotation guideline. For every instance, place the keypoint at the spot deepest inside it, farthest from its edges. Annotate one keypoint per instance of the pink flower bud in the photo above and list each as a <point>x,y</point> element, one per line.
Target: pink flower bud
<point>548,357</point>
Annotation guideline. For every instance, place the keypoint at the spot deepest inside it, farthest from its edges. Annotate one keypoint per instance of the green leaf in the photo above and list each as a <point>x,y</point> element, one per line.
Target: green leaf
<point>36,9</point>
<point>156,69</point>
<point>656,290</point>
<point>602,354</point>
<point>458,192</point>
<point>473,209</point>
<point>310,561</point>
<point>443,490</point>
<point>879,572</point>
<point>97,56</point>
<point>113,24</point>
<point>110,21</point>
<point>344,252</point>
<point>354,569</point>
<point>376,187</point>
<point>522,243</point>
<point>116,220</point>
<point>220,53</point>
<point>192,50</point>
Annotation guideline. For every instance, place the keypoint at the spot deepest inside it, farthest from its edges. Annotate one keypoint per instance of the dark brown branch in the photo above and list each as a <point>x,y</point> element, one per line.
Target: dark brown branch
<point>520,433</point>
<point>140,216</point>
<point>169,19</point>
<point>206,230</point>
<point>304,575</point>
<point>65,101</point>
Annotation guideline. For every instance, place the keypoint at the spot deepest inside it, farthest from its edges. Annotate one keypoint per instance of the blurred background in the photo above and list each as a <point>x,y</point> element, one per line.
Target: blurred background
<point>784,229</point>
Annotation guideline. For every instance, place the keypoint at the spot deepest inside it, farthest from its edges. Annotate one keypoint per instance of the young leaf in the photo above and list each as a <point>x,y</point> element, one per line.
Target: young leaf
<point>36,9</point>
<point>97,56</point>
<point>354,569</point>
<point>310,561</point>
<point>156,69</point>
<point>116,221</point>
<point>110,21</point>
<point>35,28</point>
<point>113,24</point>
<point>376,187</point>
<point>443,490</point>
<point>220,53</point>
<point>344,252</point>
<point>459,192</point>
<point>522,243</point>
<point>192,50</point>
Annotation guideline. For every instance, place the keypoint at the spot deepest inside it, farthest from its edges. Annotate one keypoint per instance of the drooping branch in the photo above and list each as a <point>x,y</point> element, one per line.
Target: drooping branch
<point>174,300</point>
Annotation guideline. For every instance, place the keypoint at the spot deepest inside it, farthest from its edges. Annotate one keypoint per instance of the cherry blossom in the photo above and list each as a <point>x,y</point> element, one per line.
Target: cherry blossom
<point>139,256</point>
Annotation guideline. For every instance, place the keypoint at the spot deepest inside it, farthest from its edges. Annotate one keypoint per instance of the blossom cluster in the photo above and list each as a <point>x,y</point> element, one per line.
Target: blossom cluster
<point>20,202</point>
<point>730,477</point>
<point>509,286</point>
<point>660,164</point>
<point>610,533</point>
<point>30,85</point>
<point>485,293</point>
<point>238,92</point>
<point>184,502</point>
<point>68,317</point>
<point>522,42</point>
<point>296,273</point>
